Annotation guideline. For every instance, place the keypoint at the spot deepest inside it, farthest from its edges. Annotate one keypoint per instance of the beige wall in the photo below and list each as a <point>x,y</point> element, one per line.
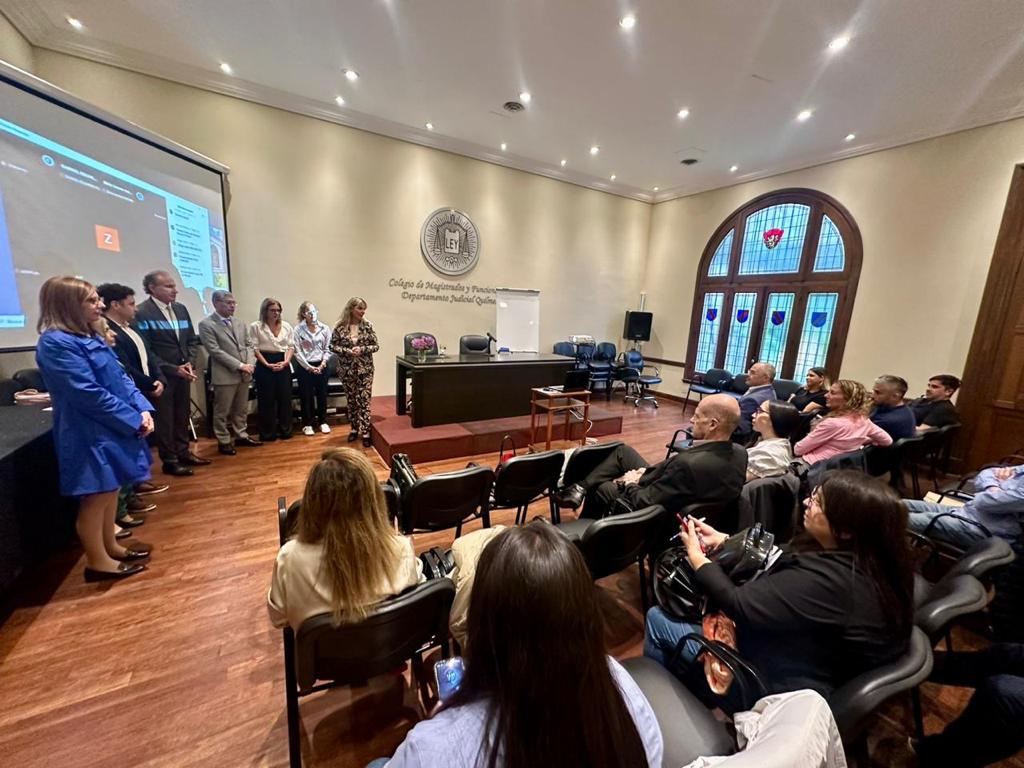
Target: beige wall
<point>928,213</point>
<point>15,49</point>
<point>323,212</point>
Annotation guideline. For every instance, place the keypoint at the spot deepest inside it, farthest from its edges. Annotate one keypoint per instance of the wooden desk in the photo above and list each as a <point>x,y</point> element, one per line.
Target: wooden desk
<point>556,401</point>
<point>457,388</point>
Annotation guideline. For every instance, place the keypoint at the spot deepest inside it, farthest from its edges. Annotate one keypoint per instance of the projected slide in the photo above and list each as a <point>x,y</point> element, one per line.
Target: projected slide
<point>63,211</point>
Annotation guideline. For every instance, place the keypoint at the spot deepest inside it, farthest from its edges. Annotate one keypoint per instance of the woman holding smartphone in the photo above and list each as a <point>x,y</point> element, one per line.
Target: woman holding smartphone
<point>533,587</point>
<point>100,421</point>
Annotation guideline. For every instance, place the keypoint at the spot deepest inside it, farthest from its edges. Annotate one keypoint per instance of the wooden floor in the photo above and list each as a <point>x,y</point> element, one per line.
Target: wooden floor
<point>180,667</point>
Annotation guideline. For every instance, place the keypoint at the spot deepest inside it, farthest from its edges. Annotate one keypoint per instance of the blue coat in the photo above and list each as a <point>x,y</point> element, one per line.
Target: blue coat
<point>97,412</point>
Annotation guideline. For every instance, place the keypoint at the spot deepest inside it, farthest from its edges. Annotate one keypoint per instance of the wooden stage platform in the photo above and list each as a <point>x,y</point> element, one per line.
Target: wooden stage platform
<point>395,434</point>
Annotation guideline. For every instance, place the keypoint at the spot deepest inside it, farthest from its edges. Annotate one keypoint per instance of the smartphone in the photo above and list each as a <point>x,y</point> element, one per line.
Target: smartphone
<point>448,673</point>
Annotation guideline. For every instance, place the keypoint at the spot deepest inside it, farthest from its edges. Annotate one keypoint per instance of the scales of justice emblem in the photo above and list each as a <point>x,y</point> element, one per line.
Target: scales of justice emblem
<point>449,242</point>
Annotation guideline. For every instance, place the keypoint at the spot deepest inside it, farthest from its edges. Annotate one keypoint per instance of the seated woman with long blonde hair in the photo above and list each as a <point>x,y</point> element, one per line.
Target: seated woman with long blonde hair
<point>346,557</point>
<point>845,428</point>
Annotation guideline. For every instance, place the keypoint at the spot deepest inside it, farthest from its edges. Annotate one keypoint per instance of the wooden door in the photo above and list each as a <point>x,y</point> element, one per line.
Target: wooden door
<point>991,399</point>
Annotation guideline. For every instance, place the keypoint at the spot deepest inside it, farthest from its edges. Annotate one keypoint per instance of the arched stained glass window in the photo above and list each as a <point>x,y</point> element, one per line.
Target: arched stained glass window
<point>781,292</point>
<point>719,266</point>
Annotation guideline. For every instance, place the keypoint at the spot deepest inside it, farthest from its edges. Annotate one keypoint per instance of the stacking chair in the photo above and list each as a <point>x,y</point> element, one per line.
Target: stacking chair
<point>632,373</point>
<point>564,348</point>
<point>446,500</point>
<point>288,514</point>
<point>616,542</point>
<point>400,629</point>
<point>600,365</point>
<point>936,449</point>
<point>522,480</point>
<point>474,345</point>
<point>584,460</point>
<point>710,383</point>
<point>738,387</point>
<point>681,440</point>
<point>773,502</point>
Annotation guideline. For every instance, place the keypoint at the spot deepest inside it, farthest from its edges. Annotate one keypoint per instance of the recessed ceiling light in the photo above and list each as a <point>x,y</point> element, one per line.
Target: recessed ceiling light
<point>628,21</point>
<point>429,126</point>
<point>504,146</point>
<point>75,23</point>
<point>351,75</point>
<point>839,43</point>
<point>563,163</point>
<point>612,177</point>
<point>804,115</point>
<point>656,189</point>
<point>525,97</point>
<point>682,114</point>
<point>595,149</point>
<point>850,137</point>
<point>225,68</point>
<point>339,101</point>
<point>733,168</point>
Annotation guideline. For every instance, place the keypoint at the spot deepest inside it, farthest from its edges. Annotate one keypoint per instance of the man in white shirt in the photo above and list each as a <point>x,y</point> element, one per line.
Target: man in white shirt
<point>231,369</point>
<point>167,327</point>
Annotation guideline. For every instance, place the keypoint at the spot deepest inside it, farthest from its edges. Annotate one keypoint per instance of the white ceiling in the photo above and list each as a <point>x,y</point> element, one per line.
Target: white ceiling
<point>744,68</point>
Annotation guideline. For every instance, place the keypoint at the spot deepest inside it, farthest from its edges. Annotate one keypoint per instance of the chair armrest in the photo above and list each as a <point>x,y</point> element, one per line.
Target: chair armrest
<point>955,516</point>
<point>656,371</point>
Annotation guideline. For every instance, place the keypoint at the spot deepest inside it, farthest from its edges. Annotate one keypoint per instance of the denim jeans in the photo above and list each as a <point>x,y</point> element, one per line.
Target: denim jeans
<point>947,529</point>
<point>662,634</point>
<point>380,762</point>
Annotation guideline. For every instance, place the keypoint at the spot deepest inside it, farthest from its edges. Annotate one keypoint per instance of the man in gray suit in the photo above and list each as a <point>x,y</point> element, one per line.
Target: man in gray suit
<point>231,367</point>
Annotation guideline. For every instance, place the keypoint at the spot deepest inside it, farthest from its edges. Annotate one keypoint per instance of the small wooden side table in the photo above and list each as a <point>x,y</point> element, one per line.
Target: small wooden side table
<point>554,401</point>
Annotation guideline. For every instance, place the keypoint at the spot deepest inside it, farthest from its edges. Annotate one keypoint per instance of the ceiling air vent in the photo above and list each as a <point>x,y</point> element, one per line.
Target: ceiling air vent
<point>513,106</point>
<point>689,161</point>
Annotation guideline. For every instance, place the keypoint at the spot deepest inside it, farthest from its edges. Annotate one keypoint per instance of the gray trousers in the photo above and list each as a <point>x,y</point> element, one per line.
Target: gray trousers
<point>230,410</point>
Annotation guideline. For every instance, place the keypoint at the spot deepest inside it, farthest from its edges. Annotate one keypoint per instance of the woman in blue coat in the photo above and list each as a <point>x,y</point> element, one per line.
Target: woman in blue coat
<point>100,421</point>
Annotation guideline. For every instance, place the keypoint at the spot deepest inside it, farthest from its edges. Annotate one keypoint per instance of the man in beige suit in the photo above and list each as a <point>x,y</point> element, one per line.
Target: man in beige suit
<point>231,367</point>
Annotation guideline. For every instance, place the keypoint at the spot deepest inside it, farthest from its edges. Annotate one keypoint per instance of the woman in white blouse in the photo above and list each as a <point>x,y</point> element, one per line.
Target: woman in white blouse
<point>345,557</point>
<point>272,339</point>
<point>775,422</point>
<point>312,344</point>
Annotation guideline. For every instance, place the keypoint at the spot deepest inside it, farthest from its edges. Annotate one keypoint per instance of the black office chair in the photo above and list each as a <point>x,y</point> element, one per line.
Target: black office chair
<point>601,367</point>
<point>785,388</point>
<point>474,345</point>
<point>400,629</point>
<point>30,378</point>
<point>737,387</point>
<point>682,438</point>
<point>564,348</point>
<point>772,501</point>
<point>584,460</point>
<point>522,480</point>
<point>936,449</point>
<point>410,337</point>
<point>288,514</point>
<point>616,542</point>
<point>447,500</point>
<point>637,382</point>
<point>713,381</point>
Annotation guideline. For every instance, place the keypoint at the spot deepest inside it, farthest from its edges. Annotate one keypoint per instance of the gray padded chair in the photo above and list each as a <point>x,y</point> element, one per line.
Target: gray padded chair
<point>785,388</point>
<point>688,728</point>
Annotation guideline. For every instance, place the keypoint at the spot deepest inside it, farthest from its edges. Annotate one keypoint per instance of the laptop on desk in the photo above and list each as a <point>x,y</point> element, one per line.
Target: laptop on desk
<point>576,380</point>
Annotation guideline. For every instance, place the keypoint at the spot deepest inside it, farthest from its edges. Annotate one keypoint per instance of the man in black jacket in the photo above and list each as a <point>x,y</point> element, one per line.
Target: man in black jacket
<point>135,353</point>
<point>714,469</point>
<point>935,408</point>
<point>168,328</point>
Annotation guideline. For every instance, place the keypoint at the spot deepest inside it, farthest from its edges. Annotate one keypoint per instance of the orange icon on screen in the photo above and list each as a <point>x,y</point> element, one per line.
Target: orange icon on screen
<point>107,238</point>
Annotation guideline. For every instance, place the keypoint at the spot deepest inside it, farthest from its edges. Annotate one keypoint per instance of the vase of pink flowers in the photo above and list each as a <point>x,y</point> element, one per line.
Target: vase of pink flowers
<point>422,345</point>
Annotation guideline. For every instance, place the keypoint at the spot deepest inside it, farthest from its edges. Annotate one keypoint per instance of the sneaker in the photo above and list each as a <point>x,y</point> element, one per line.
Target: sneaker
<point>325,428</point>
<point>307,431</point>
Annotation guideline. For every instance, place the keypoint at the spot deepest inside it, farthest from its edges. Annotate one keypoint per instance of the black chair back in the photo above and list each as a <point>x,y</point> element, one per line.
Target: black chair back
<point>717,379</point>
<point>446,500</point>
<point>474,345</point>
<point>739,383</point>
<point>605,353</point>
<point>982,557</point>
<point>392,634</point>
<point>584,460</point>
<point>7,389</point>
<point>564,348</point>
<point>522,479</point>
<point>288,514</point>
<point>772,501</point>
<point>30,378</point>
<point>615,542</point>
<point>855,700</point>
<point>785,388</point>
<point>410,337</point>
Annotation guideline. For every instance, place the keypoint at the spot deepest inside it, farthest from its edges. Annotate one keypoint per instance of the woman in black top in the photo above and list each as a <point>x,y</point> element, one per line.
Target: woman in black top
<point>819,617</point>
<point>811,397</point>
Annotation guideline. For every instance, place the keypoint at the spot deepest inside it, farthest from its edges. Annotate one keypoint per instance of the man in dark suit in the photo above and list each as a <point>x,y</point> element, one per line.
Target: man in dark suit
<point>714,469</point>
<point>760,388</point>
<point>167,327</point>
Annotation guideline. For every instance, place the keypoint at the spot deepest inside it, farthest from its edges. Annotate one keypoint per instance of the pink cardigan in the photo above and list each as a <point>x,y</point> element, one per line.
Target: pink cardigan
<point>839,434</point>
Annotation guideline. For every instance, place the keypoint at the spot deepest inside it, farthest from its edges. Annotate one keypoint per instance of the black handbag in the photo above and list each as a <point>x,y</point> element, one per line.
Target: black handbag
<point>741,556</point>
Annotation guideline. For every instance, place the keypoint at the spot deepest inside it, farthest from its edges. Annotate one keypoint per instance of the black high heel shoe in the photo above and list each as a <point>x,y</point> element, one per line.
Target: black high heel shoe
<point>367,441</point>
<point>353,436</point>
<point>138,552</point>
<point>123,571</point>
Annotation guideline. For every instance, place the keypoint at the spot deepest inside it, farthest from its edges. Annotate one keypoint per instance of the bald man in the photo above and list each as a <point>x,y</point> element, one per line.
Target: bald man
<point>714,469</point>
